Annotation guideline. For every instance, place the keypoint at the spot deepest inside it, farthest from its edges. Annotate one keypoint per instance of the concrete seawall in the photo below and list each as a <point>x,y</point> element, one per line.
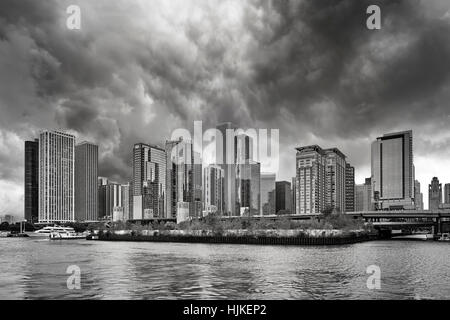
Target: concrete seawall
<point>261,237</point>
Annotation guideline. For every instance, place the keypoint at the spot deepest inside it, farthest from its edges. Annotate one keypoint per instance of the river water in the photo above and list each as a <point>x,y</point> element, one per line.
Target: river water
<point>36,269</point>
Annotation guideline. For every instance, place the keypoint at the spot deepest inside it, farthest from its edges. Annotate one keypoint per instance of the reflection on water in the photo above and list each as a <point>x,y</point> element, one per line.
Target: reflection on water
<point>36,269</point>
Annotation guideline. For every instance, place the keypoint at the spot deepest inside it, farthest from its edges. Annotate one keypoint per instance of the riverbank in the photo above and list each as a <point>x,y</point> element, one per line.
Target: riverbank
<point>261,237</point>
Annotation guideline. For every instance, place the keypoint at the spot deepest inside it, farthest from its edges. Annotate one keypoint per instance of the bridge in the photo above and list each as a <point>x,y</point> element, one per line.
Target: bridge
<point>438,220</point>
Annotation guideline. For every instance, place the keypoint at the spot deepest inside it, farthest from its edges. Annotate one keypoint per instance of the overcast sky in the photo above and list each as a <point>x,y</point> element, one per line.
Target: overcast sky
<point>139,69</point>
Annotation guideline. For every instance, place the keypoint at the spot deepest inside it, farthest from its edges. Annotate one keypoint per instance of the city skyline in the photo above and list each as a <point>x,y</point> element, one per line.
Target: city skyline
<point>268,65</point>
<point>225,154</point>
<point>244,153</point>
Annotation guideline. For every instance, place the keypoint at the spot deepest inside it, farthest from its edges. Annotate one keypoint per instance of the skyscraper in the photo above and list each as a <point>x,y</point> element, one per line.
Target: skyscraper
<point>226,159</point>
<point>125,190</point>
<point>349,188</point>
<point>393,171</point>
<point>86,176</point>
<point>248,177</point>
<point>149,181</point>
<point>119,197</point>
<point>213,189</point>
<point>113,198</point>
<point>363,199</point>
<point>248,198</point>
<point>418,196</point>
<point>310,176</point>
<point>293,194</point>
<point>335,179</point>
<point>320,180</point>
<point>101,196</point>
<point>283,197</point>
<point>170,203</point>
<point>130,200</point>
<point>187,183</point>
<point>267,185</point>
<point>110,197</point>
<point>447,193</point>
<point>56,177</point>
<point>198,183</point>
<point>434,194</point>
<point>271,203</point>
<point>243,148</point>
<point>31,194</point>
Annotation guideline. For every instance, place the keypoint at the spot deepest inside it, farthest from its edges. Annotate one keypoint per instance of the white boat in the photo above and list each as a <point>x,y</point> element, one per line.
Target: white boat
<point>72,235</point>
<point>415,236</point>
<point>46,231</point>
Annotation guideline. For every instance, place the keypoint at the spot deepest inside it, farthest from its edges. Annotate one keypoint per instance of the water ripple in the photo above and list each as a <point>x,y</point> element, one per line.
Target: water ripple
<point>33,269</point>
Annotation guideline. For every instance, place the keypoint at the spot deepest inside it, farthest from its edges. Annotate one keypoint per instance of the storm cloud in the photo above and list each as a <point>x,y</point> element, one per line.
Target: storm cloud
<point>137,70</point>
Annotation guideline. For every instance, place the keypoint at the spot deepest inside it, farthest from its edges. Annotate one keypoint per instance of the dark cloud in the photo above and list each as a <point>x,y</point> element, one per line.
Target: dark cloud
<point>136,71</point>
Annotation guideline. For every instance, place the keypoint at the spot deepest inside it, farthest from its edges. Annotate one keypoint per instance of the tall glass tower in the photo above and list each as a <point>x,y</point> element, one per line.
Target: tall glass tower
<point>56,177</point>
<point>31,180</point>
<point>225,157</point>
<point>149,181</point>
<point>86,175</point>
<point>393,171</point>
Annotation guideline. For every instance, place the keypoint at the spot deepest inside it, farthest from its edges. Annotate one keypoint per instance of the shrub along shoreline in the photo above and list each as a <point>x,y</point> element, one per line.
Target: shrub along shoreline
<point>330,229</point>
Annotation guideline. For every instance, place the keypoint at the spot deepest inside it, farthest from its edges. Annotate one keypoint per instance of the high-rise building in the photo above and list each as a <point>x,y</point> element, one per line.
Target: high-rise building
<point>130,200</point>
<point>335,178</point>
<point>102,182</point>
<point>243,148</point>
<point>149,181</point>
<point>213,189</point>
<point>125,190</point>
<point>31,194</point>
<point>267,185</point>
<point>56,177</point>
<point>434,194</point>
<point>271,204</point>
<point>293,193</point>
<point>393,171</point>
<point>418,196</point>
<point>320,180</point>
<point>349,188</point>
<point>283,199</point>
<point>248,177</point>
<point>447,193</point>
<point>170,202</point>
<point>198,184</point>
<point>363,199</point>
<point>310,176</point>
<point>86,176</point>
<point>113,198</point>
<point>226,159</point>
<point>187,182</point>
<point>119,201</point>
